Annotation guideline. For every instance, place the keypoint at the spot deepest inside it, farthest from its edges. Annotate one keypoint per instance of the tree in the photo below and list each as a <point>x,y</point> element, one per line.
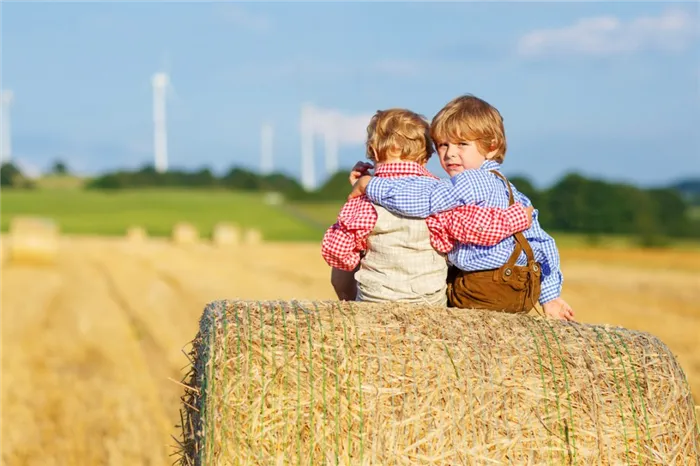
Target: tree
<point>567,203</point>
<point>242,179</point>
<point>59,168</point>
<point>12,177</point>
<point>336,188</point>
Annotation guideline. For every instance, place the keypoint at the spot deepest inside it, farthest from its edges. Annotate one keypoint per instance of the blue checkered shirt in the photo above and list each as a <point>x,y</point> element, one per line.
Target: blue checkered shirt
<point>421,197</point>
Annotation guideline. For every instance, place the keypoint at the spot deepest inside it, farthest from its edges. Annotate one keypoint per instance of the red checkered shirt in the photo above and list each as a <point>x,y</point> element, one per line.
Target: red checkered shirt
<point>345,240</point>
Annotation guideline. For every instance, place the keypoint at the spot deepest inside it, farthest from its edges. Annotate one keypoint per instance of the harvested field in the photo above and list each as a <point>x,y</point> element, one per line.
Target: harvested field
<point>91,343</point>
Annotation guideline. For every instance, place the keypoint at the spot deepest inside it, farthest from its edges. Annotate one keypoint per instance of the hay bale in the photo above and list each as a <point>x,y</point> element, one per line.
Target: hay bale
<point>252,236</point>
<point>225,234</point>
<point>33,240</point>
<point>136,234</point>
<point>185,233</point>
<point>361,383</point>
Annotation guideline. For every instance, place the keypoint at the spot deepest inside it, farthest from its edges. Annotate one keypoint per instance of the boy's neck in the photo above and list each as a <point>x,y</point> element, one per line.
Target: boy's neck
<point>394,160</point>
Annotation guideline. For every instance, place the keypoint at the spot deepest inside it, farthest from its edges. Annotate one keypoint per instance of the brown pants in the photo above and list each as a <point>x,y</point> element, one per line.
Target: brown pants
<point>516,291</point>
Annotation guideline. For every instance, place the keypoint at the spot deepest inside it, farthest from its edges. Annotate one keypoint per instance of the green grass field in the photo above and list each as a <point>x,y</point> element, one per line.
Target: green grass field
<point>111,213</point>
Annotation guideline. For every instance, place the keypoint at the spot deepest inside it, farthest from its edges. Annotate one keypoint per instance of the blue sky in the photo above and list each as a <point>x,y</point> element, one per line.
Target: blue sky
<point>606,89</point>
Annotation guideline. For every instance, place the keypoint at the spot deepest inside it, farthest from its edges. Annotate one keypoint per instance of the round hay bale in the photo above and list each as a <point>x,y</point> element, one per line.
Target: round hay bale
<point>185,233</point>
<point>226,234</point>
<point>360,383</point>
<point>252,236</point>
<point>33,240</point>
<point>136,234</point>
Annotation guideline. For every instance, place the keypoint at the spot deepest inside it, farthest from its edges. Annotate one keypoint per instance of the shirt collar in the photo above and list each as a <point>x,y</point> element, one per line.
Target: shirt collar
<point>401,169</point>
<point>490,165</point>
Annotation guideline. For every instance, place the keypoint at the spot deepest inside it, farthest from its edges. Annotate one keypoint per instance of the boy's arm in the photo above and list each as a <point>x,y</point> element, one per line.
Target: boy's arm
<point>484,226</point>
<point>423,196</point>
<point>547,254</point>
<point>344,240</point>
<point>344,284</point>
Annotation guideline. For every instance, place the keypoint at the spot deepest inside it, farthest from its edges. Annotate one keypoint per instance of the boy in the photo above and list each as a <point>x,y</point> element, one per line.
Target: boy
<point>402,259</point>
<point>471,143</point>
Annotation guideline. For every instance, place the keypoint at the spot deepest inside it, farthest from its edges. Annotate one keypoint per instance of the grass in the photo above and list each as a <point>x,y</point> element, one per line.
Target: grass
<point>694,212</point>
<point>111,213</point>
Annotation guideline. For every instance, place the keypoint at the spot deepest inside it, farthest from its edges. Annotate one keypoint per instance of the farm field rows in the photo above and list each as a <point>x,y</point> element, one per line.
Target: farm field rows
<point>92,346</point>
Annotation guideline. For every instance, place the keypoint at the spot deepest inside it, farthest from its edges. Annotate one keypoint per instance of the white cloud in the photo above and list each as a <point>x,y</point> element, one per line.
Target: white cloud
<point>239,16</point>
<point>673,30</point>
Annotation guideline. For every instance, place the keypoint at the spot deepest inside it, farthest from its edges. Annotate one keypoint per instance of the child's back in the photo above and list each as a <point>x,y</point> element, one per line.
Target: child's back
<point>400,263</point>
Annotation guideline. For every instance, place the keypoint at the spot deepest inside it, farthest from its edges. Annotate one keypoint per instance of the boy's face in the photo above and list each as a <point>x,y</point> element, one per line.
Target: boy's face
<point>460,156</point>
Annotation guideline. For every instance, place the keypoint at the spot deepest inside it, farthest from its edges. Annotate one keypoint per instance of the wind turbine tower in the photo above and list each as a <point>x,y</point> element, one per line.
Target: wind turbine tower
<point>308,117</point>
<point>160,136</point>
<point>331,142</point>
<point>6,133</point>
<point>266,162</point>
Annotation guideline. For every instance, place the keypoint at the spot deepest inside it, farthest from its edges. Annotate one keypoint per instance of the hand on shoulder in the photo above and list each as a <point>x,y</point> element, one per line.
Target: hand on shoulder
<point>360,169</point>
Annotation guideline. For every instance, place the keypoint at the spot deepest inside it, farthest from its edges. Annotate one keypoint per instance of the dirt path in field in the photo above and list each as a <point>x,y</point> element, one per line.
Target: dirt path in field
<point>91,345</point>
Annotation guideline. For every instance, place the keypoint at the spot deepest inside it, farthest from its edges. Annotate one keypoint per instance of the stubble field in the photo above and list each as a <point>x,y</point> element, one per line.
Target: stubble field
<point>92,346</point>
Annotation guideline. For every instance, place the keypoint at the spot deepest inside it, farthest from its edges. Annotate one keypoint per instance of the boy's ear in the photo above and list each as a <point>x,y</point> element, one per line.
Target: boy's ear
<point>493,149</point>
<point>491,154</point>
<point>374,153</point>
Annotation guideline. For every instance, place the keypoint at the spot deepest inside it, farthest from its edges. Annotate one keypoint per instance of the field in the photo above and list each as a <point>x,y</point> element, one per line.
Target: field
<point>111,213</point>
<point>158,210</point>
<point>92,346</point>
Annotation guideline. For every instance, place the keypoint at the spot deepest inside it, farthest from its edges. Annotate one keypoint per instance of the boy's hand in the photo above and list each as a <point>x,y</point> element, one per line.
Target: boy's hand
<point>360,169</point>
<point>359,188</point>
<point>558,309</point>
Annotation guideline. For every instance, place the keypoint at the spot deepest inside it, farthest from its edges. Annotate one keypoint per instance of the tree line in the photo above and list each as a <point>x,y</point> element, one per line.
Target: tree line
<point>573,204</point>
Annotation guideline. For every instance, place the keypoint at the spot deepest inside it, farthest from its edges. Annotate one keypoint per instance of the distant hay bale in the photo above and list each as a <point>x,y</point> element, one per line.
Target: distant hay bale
<point>274,198</point>
<point>359,383</point>
<point>185,233</point>
<point>33,240</point>
<point>136,234</point>
<point>252,236</point>
<point>225,234</point>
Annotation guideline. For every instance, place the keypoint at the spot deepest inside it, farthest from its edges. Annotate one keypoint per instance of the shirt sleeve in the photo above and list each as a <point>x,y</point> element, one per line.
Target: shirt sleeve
<point>546,253</point>
<point>484,226</point>
<point>347,237</point>
<point>420,196</point>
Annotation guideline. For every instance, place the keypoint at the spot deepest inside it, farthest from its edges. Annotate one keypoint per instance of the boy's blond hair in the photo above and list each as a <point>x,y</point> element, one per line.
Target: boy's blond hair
<point>470,118</point>
<point>401,132</point>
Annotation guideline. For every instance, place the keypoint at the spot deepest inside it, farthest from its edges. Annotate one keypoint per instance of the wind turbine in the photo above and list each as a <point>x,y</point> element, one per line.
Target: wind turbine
<point>330,136</point>
<point>266,162</point>
<point>6,133</point>
<point>160,83</point>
